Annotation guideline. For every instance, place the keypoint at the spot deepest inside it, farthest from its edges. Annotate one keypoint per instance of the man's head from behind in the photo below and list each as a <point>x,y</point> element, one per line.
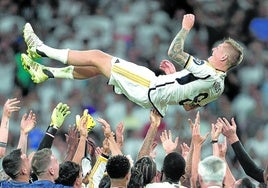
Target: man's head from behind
<point>16,164</point>
<point>147,167</point>
<point>45,165</point>
<point>136,179</point>
<point>211,171</point>
<point>118,168</point>
<point>70,174</point>
<point>173,167</point>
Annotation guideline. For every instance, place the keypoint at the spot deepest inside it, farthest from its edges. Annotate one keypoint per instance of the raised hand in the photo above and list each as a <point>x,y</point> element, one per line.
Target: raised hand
<point>105,147</point>
<point>10,106</point>
<point>99,151</point>
<point>155,118</point>
<point>216,130</point>
<point>185,149</point>
<point>119,134</point>
<point>60,112</point>
<point>82,126</point>
<point>90,122</point>
<point>196,122</point>
<point>167,143</point>
<point>188,21</point>
<point>106,127</point>
<point>72,136</point>
<point>197,139</point>
<point>72,139</point>
<point>28,122</point>
<point>229,130</point>
<point>167,67</point>
<point>222,148</point>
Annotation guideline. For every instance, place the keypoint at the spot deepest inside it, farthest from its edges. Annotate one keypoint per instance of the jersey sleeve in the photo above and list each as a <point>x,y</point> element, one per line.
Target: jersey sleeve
<point>199,68</point>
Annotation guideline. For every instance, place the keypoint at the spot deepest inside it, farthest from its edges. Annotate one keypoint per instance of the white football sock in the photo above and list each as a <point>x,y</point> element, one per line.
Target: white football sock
<point>53,53</point>
<point>64,72</point>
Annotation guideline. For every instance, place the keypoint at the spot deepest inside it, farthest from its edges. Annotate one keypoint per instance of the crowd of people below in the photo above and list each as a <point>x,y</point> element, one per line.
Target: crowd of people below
<point>89,165</point>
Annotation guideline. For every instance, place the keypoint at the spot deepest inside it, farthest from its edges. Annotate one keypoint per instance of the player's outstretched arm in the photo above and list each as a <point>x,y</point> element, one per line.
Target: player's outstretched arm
<point>176,49</point>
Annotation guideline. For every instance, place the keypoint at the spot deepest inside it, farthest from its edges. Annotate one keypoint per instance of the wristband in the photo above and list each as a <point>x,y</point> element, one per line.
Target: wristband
<point>51,130</point>
<point>214,141</point>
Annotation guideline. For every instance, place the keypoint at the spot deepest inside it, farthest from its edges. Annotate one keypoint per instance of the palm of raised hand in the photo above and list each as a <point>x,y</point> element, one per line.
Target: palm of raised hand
<point>120,134</point>
<point>185,149</point>
<point>10,106</point>
<point>167,143</point>
<point>60,112</point>
<point>83,125</point>
<point>28,122</point>
<point>197,139</point>
<point>72,137</point>
<point>106,127</point>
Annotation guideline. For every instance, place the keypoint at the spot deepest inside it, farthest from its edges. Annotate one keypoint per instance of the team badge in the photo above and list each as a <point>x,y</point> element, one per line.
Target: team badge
<point>198,61</point>
<point>217,87</point>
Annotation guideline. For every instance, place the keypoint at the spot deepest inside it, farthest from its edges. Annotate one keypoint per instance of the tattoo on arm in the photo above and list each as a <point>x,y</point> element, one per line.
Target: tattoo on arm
<point>176,49</point>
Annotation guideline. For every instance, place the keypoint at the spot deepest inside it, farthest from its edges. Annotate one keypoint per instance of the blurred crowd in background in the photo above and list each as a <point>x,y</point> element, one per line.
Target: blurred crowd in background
<point>139,31</point>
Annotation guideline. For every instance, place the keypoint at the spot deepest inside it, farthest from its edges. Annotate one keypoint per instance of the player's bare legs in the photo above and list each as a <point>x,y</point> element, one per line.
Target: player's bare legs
<point>85,72</point>
<point>95,58</point>
<point>41,73</point>
<point>96,61</point>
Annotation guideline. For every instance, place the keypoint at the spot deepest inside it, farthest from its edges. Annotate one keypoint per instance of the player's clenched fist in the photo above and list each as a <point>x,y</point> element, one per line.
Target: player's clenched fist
<point>188,21</point>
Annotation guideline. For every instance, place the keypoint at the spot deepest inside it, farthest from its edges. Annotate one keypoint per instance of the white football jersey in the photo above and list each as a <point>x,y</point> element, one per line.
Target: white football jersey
<point>199,84</point>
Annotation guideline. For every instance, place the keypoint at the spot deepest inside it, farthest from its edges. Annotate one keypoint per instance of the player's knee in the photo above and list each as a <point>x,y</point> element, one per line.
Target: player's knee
<point>101,60</point>
<point>97,53</point>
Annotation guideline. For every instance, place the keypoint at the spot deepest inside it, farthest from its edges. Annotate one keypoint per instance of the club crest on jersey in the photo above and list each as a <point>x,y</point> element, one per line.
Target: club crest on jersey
<point>198,61</point>
<point>217,87</point>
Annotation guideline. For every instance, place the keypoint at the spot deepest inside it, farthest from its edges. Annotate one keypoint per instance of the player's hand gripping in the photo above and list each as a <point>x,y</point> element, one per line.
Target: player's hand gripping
<point>167,67</point>
<point>60,112</point>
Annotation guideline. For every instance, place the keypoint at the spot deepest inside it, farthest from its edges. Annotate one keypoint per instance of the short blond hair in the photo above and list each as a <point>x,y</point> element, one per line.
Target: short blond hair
<point>212,169</point>
<point>235,53</point>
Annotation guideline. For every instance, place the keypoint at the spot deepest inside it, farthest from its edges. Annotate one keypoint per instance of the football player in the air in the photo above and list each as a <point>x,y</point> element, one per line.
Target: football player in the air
<point>200,82</point>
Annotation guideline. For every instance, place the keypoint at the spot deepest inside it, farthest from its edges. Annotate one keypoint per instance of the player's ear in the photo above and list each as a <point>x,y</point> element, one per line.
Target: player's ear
<point>224,57</point>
